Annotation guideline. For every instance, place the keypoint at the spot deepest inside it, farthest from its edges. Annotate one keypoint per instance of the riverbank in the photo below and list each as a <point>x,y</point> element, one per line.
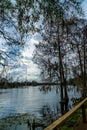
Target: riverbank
<point>23,84</point>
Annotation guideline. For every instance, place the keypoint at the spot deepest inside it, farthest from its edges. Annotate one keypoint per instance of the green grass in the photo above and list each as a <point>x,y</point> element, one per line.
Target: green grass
<point>73,121</point>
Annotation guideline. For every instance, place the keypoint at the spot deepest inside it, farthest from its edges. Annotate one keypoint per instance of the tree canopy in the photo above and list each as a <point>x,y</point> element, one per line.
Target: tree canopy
<point>63,46</point>
<point>17,23</point>
<point>63,31</point>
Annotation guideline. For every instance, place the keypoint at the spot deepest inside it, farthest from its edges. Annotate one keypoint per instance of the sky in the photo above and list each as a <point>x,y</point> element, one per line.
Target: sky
<point>27,69</point>
<point>84,6</point>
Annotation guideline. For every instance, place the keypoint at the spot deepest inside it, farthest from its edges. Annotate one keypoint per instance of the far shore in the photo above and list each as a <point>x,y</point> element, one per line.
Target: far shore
<point>24,84</point>
<point>27,84</point>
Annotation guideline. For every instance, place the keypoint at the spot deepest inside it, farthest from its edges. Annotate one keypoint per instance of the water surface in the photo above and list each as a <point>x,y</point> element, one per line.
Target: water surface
<point>32,100</point>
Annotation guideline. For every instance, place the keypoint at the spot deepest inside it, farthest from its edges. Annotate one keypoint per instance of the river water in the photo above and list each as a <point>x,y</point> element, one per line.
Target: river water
<point>34,100</point>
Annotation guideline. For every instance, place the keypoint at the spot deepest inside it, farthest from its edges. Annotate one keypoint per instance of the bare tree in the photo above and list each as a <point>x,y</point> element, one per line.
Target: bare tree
<point>52,53</point>
<point>78,47</point>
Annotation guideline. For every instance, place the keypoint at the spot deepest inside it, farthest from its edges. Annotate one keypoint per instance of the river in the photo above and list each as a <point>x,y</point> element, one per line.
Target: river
<point>34,100</point>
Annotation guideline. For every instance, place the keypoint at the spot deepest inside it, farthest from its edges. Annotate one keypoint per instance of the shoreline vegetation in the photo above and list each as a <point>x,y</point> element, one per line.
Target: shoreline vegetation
<point>4,83</point>
<point>17,84</point>
<point>19,121</point>
<point>27,84</point>
<point>24,84</point>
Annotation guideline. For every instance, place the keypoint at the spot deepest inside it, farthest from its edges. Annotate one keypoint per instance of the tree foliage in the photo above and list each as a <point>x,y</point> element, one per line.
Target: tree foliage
<point>17,22</point>
<point>63,48</point>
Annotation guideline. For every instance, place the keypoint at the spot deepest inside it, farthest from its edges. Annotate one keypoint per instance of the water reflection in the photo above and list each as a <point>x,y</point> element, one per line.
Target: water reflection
<point>63,106</point>
<point>42,101</point>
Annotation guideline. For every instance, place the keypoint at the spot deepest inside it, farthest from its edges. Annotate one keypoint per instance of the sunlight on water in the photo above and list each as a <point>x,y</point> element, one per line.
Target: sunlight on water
<point>33,100</point>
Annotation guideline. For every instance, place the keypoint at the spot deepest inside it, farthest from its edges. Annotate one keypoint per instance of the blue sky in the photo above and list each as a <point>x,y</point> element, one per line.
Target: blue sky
<point>28,70</point>
<point>84,6</point>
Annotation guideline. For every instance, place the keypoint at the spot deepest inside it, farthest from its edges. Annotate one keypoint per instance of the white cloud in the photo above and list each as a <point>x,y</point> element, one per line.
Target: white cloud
<point>29,48</point>
<point>3,46</point>
<point>27,69</point>
<point>84,6</point>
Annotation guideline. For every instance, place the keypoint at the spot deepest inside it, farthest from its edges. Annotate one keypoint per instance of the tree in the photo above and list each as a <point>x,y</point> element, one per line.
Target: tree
<point>52,54</point>
<point>17,21</point>
<point>78,47</point>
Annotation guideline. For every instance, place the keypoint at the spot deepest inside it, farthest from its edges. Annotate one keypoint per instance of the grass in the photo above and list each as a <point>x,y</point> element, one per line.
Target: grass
<point>73,121</point>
